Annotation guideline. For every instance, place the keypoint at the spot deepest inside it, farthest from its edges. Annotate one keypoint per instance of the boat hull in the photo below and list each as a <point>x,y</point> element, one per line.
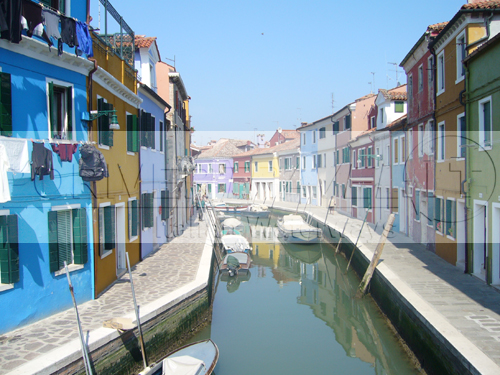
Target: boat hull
<point>300,235</point>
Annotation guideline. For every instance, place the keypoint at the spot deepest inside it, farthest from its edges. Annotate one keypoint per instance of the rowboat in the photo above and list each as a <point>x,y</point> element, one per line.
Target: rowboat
<point>198,358</point>
<point>235,243</point>
<point>235,263</point>
<point>293,228</point>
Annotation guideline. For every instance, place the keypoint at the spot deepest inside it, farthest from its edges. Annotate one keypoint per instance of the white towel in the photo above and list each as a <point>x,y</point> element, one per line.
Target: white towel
<point>17,153</point>
<point>4,181</point>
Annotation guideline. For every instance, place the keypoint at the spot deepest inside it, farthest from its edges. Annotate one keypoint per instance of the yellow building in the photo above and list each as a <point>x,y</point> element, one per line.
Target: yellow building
<point>116,205</point>
<point>265,175</point>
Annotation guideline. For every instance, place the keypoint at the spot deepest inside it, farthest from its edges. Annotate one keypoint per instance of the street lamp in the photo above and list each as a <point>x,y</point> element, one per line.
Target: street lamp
<point>113,122</point>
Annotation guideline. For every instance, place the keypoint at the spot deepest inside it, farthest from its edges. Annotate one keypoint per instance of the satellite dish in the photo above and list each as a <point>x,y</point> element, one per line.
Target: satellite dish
<point>280,130</point>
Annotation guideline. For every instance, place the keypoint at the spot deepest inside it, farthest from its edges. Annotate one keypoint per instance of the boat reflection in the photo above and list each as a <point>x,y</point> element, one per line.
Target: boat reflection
<point>233,283</point>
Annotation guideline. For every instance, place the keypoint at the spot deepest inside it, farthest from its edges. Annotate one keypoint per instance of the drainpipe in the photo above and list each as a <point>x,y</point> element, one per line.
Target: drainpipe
<point>487,22</point>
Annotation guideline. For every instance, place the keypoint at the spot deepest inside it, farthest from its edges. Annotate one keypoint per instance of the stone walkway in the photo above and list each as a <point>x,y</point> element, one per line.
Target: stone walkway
<point>174,265</point>
<point>463,308</point>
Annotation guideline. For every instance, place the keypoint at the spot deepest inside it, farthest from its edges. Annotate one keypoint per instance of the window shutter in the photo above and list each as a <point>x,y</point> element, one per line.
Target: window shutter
<point>108,107</point>
<point>53,243</point>
<point>152,131</point>
<point>143,130</point>
<point>69,111</point>
<point>103,134</point>
<point>80,236</point>
<point>163,198</point>
<point>52,110</point>
<point>9,249</point>
<point>133,218</point>
<point>130,130</point>
<point>109,227</point>
<point>64,237</point>
<point>5,105</point>
<point>395,200</point>
<point>135,134</point>
<point>151,209</point>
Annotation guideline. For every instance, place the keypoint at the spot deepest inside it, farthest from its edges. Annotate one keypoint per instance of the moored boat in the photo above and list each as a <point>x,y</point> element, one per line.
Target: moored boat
<point>236,263</point>
<point>198,358</point>
<point>293,228</point>
<point>235,243</point>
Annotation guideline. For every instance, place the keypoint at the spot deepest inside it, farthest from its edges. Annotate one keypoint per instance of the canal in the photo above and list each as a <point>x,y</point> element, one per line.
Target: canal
<point>296,314</point>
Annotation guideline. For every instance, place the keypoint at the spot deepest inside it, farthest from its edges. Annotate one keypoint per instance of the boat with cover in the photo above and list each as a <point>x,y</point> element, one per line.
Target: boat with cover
<point>257,210</point>
<point>235,243</point>
<point>236,263</point>
<point>293,228</point>
<point>198,358</point>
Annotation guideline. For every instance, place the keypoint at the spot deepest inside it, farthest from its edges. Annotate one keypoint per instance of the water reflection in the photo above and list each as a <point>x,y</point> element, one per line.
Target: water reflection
<point>317,278</point>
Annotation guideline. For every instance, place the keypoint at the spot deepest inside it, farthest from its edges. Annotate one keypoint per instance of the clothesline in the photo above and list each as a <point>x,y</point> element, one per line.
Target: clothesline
<point>56,11</point>
<point>59,141</point>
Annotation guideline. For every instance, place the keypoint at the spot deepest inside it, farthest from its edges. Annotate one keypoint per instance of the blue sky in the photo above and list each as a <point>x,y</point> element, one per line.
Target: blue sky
<point>253,66</point>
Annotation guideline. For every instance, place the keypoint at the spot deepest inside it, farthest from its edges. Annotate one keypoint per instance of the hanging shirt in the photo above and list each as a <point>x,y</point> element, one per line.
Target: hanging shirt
<point>32,15</point>
<point>84,38</point>
<point>4,181</point>
<point>11,13</point>
<point>17,153</point>
<point>41,162</point>
<point>68,33</point>
<point>51,21</point>
<point>65,150</point>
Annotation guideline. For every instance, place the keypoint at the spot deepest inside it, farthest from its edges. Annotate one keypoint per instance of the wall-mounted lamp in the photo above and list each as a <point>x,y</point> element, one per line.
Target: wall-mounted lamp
<point>113,122</point>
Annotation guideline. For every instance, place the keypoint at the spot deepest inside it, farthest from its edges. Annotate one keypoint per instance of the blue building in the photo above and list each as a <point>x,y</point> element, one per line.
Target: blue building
<point>153,142</point>
<point>400,195</point>
<point>309,136</point>
<point>47,219</point>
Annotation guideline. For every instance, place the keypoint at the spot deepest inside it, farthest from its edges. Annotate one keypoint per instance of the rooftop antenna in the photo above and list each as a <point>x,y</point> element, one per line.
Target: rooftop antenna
<point>333,103</point>
<point>396,65</point>
<point>373,80</point>
<point>166,58</point>
<point>371,88</point>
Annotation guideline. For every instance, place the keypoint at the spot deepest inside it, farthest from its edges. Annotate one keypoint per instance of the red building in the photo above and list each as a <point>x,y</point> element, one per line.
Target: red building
<point>282,136</point>
<point>419,66</point>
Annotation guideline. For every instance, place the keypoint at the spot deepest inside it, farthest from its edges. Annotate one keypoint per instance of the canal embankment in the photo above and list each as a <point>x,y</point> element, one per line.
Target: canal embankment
<point>173,287</point>
<point>448,319</point>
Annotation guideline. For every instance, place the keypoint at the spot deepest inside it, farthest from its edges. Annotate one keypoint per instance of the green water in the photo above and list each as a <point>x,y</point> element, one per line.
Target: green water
<point>296,314</point>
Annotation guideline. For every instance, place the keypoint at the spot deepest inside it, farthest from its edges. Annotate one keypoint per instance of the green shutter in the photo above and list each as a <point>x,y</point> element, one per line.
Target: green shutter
<point>151,209</point>
<point>153,131</point>
<point>109,107</point>
<point>9,250</point>
<point>167,201</point>
<point>5,105</point>
<point>143,122</point>
<point>52,109</point>
<point>437,210</point>
<point>109,227</point>
<point>448,216</point>
<point>130,121</point>
<point>102,133</point>
<point>53,243</point>
<point>430,208</point>
<point>135,218</point>
<point>69,111</point>
<point>135,134</point>
<point>80,236</point>
<point>163,198</point>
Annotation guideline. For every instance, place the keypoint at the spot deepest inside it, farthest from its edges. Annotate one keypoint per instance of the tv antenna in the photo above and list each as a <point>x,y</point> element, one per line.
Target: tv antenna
<point>333,103</point>
<point>396,65</point>
<point>373,81</point>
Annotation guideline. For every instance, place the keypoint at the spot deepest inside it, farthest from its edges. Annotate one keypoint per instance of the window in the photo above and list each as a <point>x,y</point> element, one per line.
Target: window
<point>247,166</point>
<point>388,198</point>
<point>367,198</point>
<point>297,162</point>
<point>438,214</point>
<point>430,209</point>
<point>377,150</point>
<point>256,166</point>
<point>370,157</point>
<point>314,192</point>
<point>270,165</point>
<point>395,200</point>
<point>451,217</point>
<point>460,53</point>
<point>236,167</point>
<point>221,188</point>
<point>461,136</point>
<point>61,111</point>
<point>430,74</point>
<point>222,168</point>
<point>132,133</point>
<point>147,130</point>
<point>314,136</point>
<point>319,158</point>
<point>431,138</point>
<point>304,192</point>
<point>361,156</point>
<point>162,136</point>
<point>417,205</point>
<point>133,219</point>
<point>198,169</point>
<point>209,188</point>
<point>303,162</point>
<point>403,149</point>
<point>335,127</point>
<point>9,249</point>
<point>210,168</point>
<point>485,122</point>
<point>5,105</point>
<point>399,106</point>
<point>354,160</point>
<point>322,133</point>
<point>347,122</point>
<point>287,164</point>
<point>381,115</point>
<point>410,88</point>
<point>354,196</point>
<point>372,122</point>
<point>440,141</point>
<point>67,237</point>
<point>440,73</point>
<point>59,5</point>
<point>420,78</point>
<point>395,151</point>
<point>343,191</point>
<point>304,138</point>
<point>165,209</point>
<point>298,187</point>
<point>420,140</point>
<point>336,158</point>
<point>147,206</point>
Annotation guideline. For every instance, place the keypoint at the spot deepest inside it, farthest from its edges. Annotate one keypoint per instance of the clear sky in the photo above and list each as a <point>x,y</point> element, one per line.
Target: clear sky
<point>251,66</point>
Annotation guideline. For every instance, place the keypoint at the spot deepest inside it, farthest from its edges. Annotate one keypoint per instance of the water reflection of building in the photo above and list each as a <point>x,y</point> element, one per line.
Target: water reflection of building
<point>266,248</point>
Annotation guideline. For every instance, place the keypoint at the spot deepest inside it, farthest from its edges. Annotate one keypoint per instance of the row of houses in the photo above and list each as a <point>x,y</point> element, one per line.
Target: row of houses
<point>94,158</point>
<point>425,151</point>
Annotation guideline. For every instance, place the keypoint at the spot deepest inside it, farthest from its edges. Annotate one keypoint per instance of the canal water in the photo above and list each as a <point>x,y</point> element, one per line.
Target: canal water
<point>295,314</point>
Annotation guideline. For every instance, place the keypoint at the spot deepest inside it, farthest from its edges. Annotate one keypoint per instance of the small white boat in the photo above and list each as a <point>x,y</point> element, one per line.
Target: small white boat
<point>235,243</point>
<point>257,210</point>
<point>198,358</point>
<point>232,223</point>
<point>293,228</point>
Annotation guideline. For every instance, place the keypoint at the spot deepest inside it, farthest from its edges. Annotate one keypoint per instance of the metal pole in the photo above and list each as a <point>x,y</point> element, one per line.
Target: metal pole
<point>141,340</point>
<point>86,361</point>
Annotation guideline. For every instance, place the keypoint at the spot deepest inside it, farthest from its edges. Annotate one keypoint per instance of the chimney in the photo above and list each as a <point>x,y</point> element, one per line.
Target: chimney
<point>303,123</point>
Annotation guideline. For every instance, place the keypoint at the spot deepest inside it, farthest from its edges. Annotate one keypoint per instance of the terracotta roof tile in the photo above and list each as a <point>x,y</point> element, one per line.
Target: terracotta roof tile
<point>437,26</point>
<point>142,41</point>
<point>397,123</point>
<point>492,4</point>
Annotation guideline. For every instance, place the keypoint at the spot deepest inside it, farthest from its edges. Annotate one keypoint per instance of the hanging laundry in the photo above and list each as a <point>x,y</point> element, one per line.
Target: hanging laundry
<point>84,38</point>
<point>68,33</point>
<point>41,162</point>
<point>51,21</point>
<point>92,164</point>
<point>11,11</point>
<point>17,153</point>
<point>65,150</point>
<point>33,21</point>
<point>4,181</point>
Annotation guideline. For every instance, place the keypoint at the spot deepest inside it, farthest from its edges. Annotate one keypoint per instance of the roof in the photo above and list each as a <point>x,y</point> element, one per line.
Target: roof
<point>397,123</point>
<point>222,148</point>
<point>397,93</point>
<point>478,51</point>
<point>290,134</point>
<point>433,30</point>
<point>492,4</point>
<point>143,41</point>
<point>437,26</point>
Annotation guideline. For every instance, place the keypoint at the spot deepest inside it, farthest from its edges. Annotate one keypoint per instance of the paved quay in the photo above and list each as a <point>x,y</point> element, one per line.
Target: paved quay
<point>462,308</point>
<point>166,275</point>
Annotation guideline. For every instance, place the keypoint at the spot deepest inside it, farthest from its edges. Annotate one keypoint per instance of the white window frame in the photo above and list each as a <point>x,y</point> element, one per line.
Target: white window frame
<point>420,78</point>
<point>459,57</point>
<point>394,150</point>
<point>459,137</point>
<point>270,165</point>
<point>133,238</point>
<point>410,144</point>
<point>430,137</point>
<point>377,157</point>
<point>65,85</point>
<point>304,160</point>
<point>481,124</point>
<point>402,146</point>
<point>314,136</point>
<point>441,73</point>
<point>441,143</point>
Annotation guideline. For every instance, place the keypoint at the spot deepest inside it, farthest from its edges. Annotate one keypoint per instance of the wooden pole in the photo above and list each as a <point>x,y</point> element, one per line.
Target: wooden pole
<point>357,239</point>
<point>340,239</point>
<point>376,257</point>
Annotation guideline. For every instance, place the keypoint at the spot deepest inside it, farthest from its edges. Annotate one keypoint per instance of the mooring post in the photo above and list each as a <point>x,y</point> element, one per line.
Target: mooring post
<point>376,257</point>
<point>340,239</point>
<point>357,239</point>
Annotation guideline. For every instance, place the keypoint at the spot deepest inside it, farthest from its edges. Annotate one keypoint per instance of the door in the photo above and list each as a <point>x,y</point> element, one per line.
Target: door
<point>120,239</point>
<point>461,248</point>
<point>480,237</point>
<point>402,209</point>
